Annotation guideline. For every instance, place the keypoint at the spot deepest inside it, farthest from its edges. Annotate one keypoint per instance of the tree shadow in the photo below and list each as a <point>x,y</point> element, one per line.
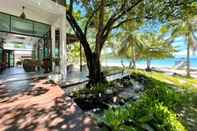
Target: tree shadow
<point>34,87</point>
<point>37,91</point>
<point>62,115</point>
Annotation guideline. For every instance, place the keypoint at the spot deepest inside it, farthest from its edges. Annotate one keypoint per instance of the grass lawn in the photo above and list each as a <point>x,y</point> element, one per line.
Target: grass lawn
<point>168,103</point>
<point>188,88</point>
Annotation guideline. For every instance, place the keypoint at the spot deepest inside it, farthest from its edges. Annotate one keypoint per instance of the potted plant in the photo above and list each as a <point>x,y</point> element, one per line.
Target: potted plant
<point>29,65</point>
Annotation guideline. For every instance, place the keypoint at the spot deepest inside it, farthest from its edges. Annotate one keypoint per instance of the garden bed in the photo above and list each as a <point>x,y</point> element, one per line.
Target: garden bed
<point>166,104</point>
<point>101,97</point>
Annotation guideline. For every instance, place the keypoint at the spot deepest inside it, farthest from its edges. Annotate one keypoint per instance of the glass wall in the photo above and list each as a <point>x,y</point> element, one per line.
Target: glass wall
<point>4,22</point>
<point>11,59</point>
<point>40,29</point>
<point>22,26</point>
<point>14,24</point>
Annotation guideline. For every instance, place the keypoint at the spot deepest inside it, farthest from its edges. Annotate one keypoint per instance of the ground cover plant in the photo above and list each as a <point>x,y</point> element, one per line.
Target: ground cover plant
<point>167,104</point>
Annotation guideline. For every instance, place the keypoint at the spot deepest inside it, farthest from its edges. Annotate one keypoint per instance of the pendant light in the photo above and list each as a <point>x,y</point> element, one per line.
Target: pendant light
<point>23,16</point>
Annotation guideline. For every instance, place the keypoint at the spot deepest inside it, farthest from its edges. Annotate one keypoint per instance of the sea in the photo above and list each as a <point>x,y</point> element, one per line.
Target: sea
<point>159,63</point>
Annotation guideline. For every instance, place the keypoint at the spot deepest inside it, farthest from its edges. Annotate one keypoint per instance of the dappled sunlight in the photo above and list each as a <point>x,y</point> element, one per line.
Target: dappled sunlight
<point>181,82</point>
<point>44,107</point>
<point>34,88</point>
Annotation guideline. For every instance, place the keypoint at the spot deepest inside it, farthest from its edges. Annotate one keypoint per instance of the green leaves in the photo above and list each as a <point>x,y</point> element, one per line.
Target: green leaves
<point>143,114</point>
<point>164,29</point>
<point>153,111</point>
<point>155,48</point>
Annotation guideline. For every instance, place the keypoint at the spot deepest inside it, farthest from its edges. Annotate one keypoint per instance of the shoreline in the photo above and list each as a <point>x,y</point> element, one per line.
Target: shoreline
<point>168,70</point>
<point>144,66</point>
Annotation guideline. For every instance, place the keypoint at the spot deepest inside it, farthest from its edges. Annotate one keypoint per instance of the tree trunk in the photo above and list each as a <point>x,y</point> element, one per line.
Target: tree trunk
<point>133,58</point>
<point>188,59</point>
<point>95,74</point>
<point>130,64</point>
<point>148,63</point>
<point>134,63</point>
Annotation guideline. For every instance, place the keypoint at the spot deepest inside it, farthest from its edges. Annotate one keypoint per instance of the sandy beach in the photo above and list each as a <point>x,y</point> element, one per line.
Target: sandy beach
<point>167,70</point>
<point>181,72</point>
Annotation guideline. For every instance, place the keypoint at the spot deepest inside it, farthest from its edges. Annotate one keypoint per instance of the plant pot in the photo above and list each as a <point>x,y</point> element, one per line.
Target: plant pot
<point>29,65</point>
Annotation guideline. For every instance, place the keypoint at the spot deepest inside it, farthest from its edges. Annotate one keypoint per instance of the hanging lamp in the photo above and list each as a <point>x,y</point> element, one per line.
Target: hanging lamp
<point>23,16</point>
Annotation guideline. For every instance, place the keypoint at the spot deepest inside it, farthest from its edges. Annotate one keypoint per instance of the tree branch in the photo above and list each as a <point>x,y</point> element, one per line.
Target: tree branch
<point>89,20</point>
<point>121,13</point>
<point>79,33</point>
<point>120,23</point>
<point>71,6</point>
<point>99,39</point>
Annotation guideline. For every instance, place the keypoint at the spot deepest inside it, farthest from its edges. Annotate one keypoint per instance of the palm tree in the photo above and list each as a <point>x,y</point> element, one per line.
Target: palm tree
<point>183,28</point>
<point>154,48</point>
<point>130,47</point>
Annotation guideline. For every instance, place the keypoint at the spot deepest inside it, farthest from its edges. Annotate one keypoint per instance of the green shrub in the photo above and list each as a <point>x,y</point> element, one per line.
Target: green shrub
<point>161,91</point>
<point>168,96</point>
<point>143,114</point>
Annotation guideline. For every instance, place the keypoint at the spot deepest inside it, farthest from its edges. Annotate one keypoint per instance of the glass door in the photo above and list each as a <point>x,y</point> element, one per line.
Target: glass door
<point>10,58</point>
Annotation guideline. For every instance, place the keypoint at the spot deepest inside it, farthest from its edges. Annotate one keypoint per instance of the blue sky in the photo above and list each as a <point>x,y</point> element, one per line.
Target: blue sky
<point>182,47</point>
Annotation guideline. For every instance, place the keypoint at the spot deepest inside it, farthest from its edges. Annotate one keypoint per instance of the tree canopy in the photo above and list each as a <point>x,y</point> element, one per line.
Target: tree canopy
<point>107,17</point>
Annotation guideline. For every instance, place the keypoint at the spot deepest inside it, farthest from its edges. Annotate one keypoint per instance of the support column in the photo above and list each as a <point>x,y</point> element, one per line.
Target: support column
<point>53,47</point>
<point>63,54</point>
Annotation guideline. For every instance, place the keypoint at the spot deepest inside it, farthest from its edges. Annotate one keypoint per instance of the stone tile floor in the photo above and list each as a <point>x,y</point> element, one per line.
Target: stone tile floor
<point>40,106</point>
<point>18,74</point>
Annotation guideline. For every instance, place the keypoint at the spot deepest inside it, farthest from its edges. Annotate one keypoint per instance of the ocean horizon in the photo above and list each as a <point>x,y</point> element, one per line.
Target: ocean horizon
<point>161,63</point>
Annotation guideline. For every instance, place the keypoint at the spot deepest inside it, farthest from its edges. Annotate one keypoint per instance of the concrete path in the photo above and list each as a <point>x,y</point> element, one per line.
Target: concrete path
<point>42,106</point>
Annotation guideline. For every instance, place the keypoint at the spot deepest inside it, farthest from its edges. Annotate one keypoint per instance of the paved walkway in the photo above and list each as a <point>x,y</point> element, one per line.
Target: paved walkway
<point>42,106</point>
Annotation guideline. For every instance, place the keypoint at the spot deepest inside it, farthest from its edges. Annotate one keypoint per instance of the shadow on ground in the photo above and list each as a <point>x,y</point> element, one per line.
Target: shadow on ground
<point>34,117</point>
<point>43,107</point>
<point>12,91</point>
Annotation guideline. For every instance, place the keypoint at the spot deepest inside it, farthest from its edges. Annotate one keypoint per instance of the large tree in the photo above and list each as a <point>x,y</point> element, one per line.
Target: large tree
<point>106,16</point>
